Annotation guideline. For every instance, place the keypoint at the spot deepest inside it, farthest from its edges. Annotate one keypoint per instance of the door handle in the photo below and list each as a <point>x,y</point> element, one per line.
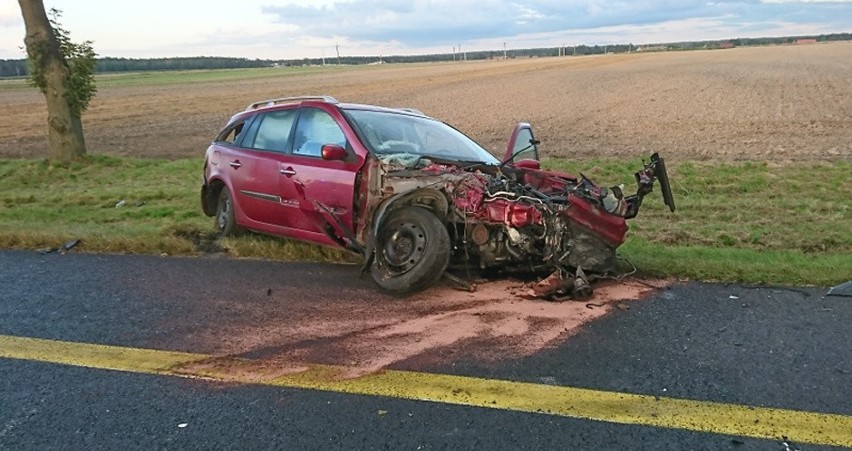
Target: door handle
<point>235,164</point>
<point>289,172</point>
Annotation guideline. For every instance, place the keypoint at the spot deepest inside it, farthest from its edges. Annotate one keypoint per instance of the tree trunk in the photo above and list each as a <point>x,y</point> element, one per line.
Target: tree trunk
<point>65,129</point>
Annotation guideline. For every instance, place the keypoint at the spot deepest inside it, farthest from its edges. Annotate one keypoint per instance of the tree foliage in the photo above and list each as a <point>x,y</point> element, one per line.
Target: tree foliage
<point>63,72</point>
<point>81,61</point>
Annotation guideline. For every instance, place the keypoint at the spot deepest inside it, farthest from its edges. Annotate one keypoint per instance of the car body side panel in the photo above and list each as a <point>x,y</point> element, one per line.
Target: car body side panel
<point>317,187</point>
<point>608,226</point>
<point>252,176</point>
<point>322,192</point>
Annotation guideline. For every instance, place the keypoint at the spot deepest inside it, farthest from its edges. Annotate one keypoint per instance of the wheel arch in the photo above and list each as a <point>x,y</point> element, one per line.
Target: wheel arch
<point>429,198</point>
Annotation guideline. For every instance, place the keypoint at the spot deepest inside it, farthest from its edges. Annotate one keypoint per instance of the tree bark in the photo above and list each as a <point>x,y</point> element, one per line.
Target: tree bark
<point>65,129</point>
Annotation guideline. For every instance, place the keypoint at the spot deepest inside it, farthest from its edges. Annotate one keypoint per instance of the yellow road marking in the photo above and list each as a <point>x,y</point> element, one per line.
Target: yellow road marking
<point>624,408</point>
<point>105,357</point>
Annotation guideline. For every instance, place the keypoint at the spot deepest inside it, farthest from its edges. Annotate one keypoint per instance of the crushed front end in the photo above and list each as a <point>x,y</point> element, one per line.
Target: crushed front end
<point>519,220</point>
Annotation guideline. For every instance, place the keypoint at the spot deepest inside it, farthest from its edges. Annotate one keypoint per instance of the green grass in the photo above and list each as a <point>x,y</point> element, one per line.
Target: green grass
<point>746,222</point>
<point>157,78</point>
<point>161,78</point>
<point>43,205</point>
<point>749,222</point>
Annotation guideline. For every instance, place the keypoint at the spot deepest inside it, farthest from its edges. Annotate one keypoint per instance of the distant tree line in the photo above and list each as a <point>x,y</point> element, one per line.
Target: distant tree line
<point>18,67</point>
<point>152,64</point>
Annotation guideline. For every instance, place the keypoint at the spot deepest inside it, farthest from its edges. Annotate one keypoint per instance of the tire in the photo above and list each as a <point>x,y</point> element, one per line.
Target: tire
<point>226,224</point>
<point>412,251</point>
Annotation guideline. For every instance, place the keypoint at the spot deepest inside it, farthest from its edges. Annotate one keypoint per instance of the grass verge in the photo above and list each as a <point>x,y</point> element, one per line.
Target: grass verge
<point>745,222</point>
<point>177,77</point>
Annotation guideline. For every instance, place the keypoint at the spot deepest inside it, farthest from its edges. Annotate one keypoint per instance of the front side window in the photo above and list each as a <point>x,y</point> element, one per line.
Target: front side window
<point>525,146</point>
<point>273,133</point>
<point>315,129</point>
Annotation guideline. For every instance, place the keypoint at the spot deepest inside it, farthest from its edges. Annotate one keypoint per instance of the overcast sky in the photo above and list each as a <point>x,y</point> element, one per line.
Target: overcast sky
<point>279,29</point>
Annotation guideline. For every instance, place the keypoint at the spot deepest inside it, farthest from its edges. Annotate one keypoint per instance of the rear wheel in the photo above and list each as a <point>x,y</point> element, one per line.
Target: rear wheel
<point>412,251</point>
<point>225,223</point>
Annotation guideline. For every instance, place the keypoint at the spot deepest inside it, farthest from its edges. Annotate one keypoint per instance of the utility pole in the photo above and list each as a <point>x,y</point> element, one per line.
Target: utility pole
<point>504,51</point>
<point>337,49</point>
<point>454,53</point>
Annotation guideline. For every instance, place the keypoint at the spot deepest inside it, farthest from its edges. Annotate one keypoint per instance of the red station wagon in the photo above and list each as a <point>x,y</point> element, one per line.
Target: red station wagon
<point>414,195</point>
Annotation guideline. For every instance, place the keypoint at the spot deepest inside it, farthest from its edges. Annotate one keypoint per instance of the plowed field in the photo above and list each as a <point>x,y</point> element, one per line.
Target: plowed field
<point>785,103</point>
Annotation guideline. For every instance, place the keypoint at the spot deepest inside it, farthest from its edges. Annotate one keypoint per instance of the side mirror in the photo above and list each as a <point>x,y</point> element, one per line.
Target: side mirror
<point>333,152</point>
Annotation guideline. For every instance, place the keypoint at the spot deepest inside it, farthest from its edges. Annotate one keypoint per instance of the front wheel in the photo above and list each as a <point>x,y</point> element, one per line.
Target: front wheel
<point>226,224</point>
<point>412,251</point>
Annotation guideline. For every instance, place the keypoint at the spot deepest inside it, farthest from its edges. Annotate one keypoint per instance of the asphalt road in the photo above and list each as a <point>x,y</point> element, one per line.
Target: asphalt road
<point>785,348</point>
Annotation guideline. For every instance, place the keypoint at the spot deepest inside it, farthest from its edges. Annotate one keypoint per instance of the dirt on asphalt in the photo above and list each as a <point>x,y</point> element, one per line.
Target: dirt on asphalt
<point>781,103</point>
<point>498,321</point>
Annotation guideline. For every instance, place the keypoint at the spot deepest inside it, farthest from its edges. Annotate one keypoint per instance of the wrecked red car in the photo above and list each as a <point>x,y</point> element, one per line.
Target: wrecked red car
<point>414,195</point>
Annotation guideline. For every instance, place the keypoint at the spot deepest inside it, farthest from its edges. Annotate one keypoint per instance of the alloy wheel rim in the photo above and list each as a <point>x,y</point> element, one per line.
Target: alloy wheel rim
<point>223,213</point>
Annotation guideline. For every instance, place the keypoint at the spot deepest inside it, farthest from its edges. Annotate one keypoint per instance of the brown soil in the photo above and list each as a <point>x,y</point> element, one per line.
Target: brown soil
<point>439,326</point>
<point>785,103</point>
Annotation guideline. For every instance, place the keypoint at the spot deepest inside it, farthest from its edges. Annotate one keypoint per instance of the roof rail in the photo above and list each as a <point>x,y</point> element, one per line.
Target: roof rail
<point>284,100</point>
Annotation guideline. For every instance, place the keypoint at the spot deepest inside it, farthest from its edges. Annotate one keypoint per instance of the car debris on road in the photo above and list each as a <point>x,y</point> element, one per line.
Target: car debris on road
<point>70,244</point>
<point>844,290</point>
<point>414,196</point>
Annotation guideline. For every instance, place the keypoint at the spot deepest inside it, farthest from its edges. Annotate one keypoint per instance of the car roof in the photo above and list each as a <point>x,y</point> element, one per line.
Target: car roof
<point>360,106</point>
<point>283,102</point>
<point>301,100</point>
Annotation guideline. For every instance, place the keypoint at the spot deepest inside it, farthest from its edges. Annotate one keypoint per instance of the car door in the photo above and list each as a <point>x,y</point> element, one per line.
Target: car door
<point>255,169</point>
<point>522,149</point>
<point>320,189</point>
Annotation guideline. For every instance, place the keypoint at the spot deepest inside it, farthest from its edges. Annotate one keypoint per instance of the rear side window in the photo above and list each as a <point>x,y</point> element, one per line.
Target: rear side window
<point>273,131</point>
<point>233,133</point>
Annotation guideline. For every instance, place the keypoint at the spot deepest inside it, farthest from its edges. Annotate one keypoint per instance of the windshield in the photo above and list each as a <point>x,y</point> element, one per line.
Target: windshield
<point>387,133</point>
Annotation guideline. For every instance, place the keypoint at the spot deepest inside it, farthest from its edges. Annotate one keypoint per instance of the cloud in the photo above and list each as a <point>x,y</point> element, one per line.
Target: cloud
<point>296,29</point>
<point>10,15</point>
<point>410,22</point>
<point>805,1</point>
<point>416,23</point>
<point>707,28</point>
